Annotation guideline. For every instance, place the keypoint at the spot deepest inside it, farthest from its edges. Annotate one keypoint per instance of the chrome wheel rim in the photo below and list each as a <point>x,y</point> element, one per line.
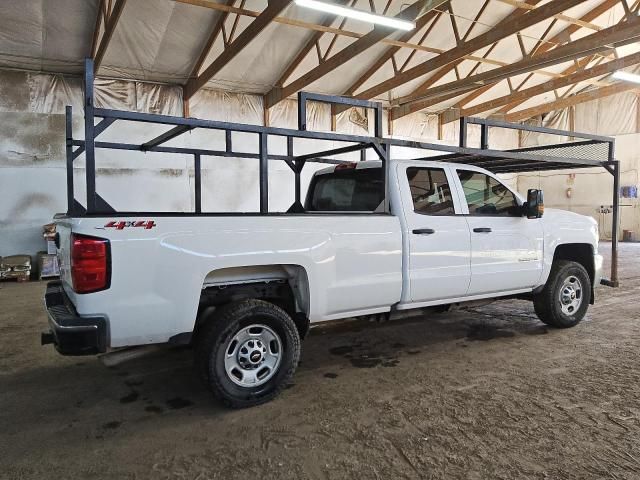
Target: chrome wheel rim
<point>252,356</point>
<point>570,295</point>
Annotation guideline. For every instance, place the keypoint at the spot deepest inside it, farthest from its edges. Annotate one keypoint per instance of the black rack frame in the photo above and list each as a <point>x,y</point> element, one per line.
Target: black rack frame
<point>497,161</point>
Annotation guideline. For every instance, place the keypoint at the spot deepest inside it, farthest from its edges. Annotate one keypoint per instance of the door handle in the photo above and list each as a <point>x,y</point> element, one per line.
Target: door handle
<point>482,230</point>
<point>424,231</point>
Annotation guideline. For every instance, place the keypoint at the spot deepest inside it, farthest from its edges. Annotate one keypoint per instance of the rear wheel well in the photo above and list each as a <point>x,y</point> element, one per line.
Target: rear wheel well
<point>581,253</point>
<point>289,292</point>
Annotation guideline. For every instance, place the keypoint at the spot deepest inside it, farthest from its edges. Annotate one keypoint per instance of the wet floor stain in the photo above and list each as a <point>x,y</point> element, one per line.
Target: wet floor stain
<point>484,332</point>
<point>111,425</point>
<point>154,409</point>
<point>342,350</point>
<point>330,375</point>
<point>130,398</point>
<point>178,402</point>
<point>413,352</point>
<point>391,363</point>
<point>359,356</point>
<point>365,361</point>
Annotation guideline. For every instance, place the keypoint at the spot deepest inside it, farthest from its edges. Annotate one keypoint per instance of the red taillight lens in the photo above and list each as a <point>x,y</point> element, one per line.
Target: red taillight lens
<point>89,263</point>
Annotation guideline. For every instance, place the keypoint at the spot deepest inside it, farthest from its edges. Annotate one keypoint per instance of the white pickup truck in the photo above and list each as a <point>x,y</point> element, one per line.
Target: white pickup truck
<point>243,289</point>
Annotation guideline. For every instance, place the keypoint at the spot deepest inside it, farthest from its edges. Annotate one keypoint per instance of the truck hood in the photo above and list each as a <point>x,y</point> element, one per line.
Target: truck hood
<point>557,215</point>
<point>562,226</point>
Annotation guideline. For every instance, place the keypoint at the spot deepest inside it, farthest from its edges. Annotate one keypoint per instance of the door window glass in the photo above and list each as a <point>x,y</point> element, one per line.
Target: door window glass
<point>430,191</point>
<point>487,196</point>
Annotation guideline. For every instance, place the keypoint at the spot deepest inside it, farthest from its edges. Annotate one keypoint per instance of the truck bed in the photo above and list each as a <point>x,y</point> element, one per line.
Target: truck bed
<point>160,264</point>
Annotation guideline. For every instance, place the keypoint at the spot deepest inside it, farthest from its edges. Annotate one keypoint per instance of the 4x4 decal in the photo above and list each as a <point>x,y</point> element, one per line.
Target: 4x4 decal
<point>146,224</point>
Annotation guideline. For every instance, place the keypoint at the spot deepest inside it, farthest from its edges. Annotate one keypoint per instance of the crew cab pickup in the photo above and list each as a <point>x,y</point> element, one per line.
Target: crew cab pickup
<point>243,289</point>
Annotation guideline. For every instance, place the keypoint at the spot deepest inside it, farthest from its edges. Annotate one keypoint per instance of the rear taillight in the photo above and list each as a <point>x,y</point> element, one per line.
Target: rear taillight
<point>90,260</point>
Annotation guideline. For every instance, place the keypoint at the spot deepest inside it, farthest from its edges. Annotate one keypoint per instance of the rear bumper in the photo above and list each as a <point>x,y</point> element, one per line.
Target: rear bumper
<point>70,333</point>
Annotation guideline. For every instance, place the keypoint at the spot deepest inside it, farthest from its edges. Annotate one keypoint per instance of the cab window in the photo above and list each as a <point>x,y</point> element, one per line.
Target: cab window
<point>430,191</point>
<point>487,196</point>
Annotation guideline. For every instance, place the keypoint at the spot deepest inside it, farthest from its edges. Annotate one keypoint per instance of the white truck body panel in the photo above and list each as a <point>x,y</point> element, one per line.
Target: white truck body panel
<point>158,274</point>
<point>352,264</point>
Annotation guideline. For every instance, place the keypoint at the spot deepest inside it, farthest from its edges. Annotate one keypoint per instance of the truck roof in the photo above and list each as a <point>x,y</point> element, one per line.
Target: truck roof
<point>378,164</point>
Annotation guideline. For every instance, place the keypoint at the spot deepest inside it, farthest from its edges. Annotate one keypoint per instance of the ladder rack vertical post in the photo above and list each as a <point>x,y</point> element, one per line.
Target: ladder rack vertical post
<point>89,136</point>
<point>69,152</point>
<point>264,174</point>
<point>197,175</point>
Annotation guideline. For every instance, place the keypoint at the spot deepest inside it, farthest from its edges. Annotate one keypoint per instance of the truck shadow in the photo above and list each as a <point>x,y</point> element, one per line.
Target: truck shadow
<point>164,384</point>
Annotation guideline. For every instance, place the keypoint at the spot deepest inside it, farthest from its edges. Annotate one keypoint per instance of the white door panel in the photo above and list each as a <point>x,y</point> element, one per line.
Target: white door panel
<point>439,245</point>
<point>506,248</point>
<point>509,257</point>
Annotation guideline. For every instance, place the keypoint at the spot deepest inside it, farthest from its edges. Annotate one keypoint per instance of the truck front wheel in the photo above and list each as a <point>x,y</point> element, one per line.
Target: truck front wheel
<point>566,296</point>
<point>247,352</point>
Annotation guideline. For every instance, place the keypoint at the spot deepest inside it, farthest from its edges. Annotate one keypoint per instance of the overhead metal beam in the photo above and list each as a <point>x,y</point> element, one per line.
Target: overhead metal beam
<point>526,94</point>
<point>348,53</point>
<point>570,101</point>
<point>531,18</point>
<point>603,40</point>
<point>109,27</point>
<point>248,34</point>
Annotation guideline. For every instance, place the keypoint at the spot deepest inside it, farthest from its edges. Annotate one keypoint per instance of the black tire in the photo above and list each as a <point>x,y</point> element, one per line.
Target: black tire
<point>216,336</point>
<point>548,303</point>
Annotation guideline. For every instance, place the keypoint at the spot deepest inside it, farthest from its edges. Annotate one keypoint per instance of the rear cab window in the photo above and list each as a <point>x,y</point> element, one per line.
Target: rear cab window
<point>347,190</point>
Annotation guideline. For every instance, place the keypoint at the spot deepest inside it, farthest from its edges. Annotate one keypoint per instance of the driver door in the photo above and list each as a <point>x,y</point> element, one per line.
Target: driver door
<point>506,246</point>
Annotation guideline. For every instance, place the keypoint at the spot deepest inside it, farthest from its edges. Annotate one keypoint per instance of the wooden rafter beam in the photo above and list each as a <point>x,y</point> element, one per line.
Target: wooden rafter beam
<point>236,46</point>
<point>570,101</point>
<point>423,21</point>
<point>347,33</point>
<point>618,35</point>
<point>211,39</point>
<point>327,21</point>
<point>543,46</point>
<point>531,18</point>
<point>110,21</point>
<point>578,22</point>
<point>348,53</point>
<point>556,83</point>
<point>560,38</point>
<point>441,73</point>
<point>96,29</point>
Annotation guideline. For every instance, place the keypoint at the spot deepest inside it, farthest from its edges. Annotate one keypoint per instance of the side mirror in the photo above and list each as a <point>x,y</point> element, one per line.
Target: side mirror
<point>534,208</point>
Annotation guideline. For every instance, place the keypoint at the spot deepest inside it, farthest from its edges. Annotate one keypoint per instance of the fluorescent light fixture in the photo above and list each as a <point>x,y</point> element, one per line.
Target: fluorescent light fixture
<point>626,76</point>
<point>357,14</point>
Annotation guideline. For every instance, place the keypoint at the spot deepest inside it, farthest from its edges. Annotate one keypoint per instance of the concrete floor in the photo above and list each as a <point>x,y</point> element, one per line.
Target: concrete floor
<point>487,393</point>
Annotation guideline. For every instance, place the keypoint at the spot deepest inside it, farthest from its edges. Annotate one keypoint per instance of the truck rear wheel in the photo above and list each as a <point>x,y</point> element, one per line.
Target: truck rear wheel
<point>566,296</point>
<point>247,352</point>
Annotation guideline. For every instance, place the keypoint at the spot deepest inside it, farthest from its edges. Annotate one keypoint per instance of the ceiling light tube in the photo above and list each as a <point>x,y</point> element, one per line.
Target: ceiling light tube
<point>626,76</point>
<point>357,14</point>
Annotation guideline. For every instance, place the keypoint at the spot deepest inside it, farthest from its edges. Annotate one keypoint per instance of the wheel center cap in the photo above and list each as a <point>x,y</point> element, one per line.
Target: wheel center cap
<point>255,357</point>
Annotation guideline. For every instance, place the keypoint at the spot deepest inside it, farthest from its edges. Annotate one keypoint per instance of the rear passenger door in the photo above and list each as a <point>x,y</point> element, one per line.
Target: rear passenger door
<point>506,247</point>
<point>437,241</point>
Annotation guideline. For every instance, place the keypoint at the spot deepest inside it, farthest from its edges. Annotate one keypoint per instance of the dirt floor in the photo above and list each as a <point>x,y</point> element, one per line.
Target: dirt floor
<point>486,393</point>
